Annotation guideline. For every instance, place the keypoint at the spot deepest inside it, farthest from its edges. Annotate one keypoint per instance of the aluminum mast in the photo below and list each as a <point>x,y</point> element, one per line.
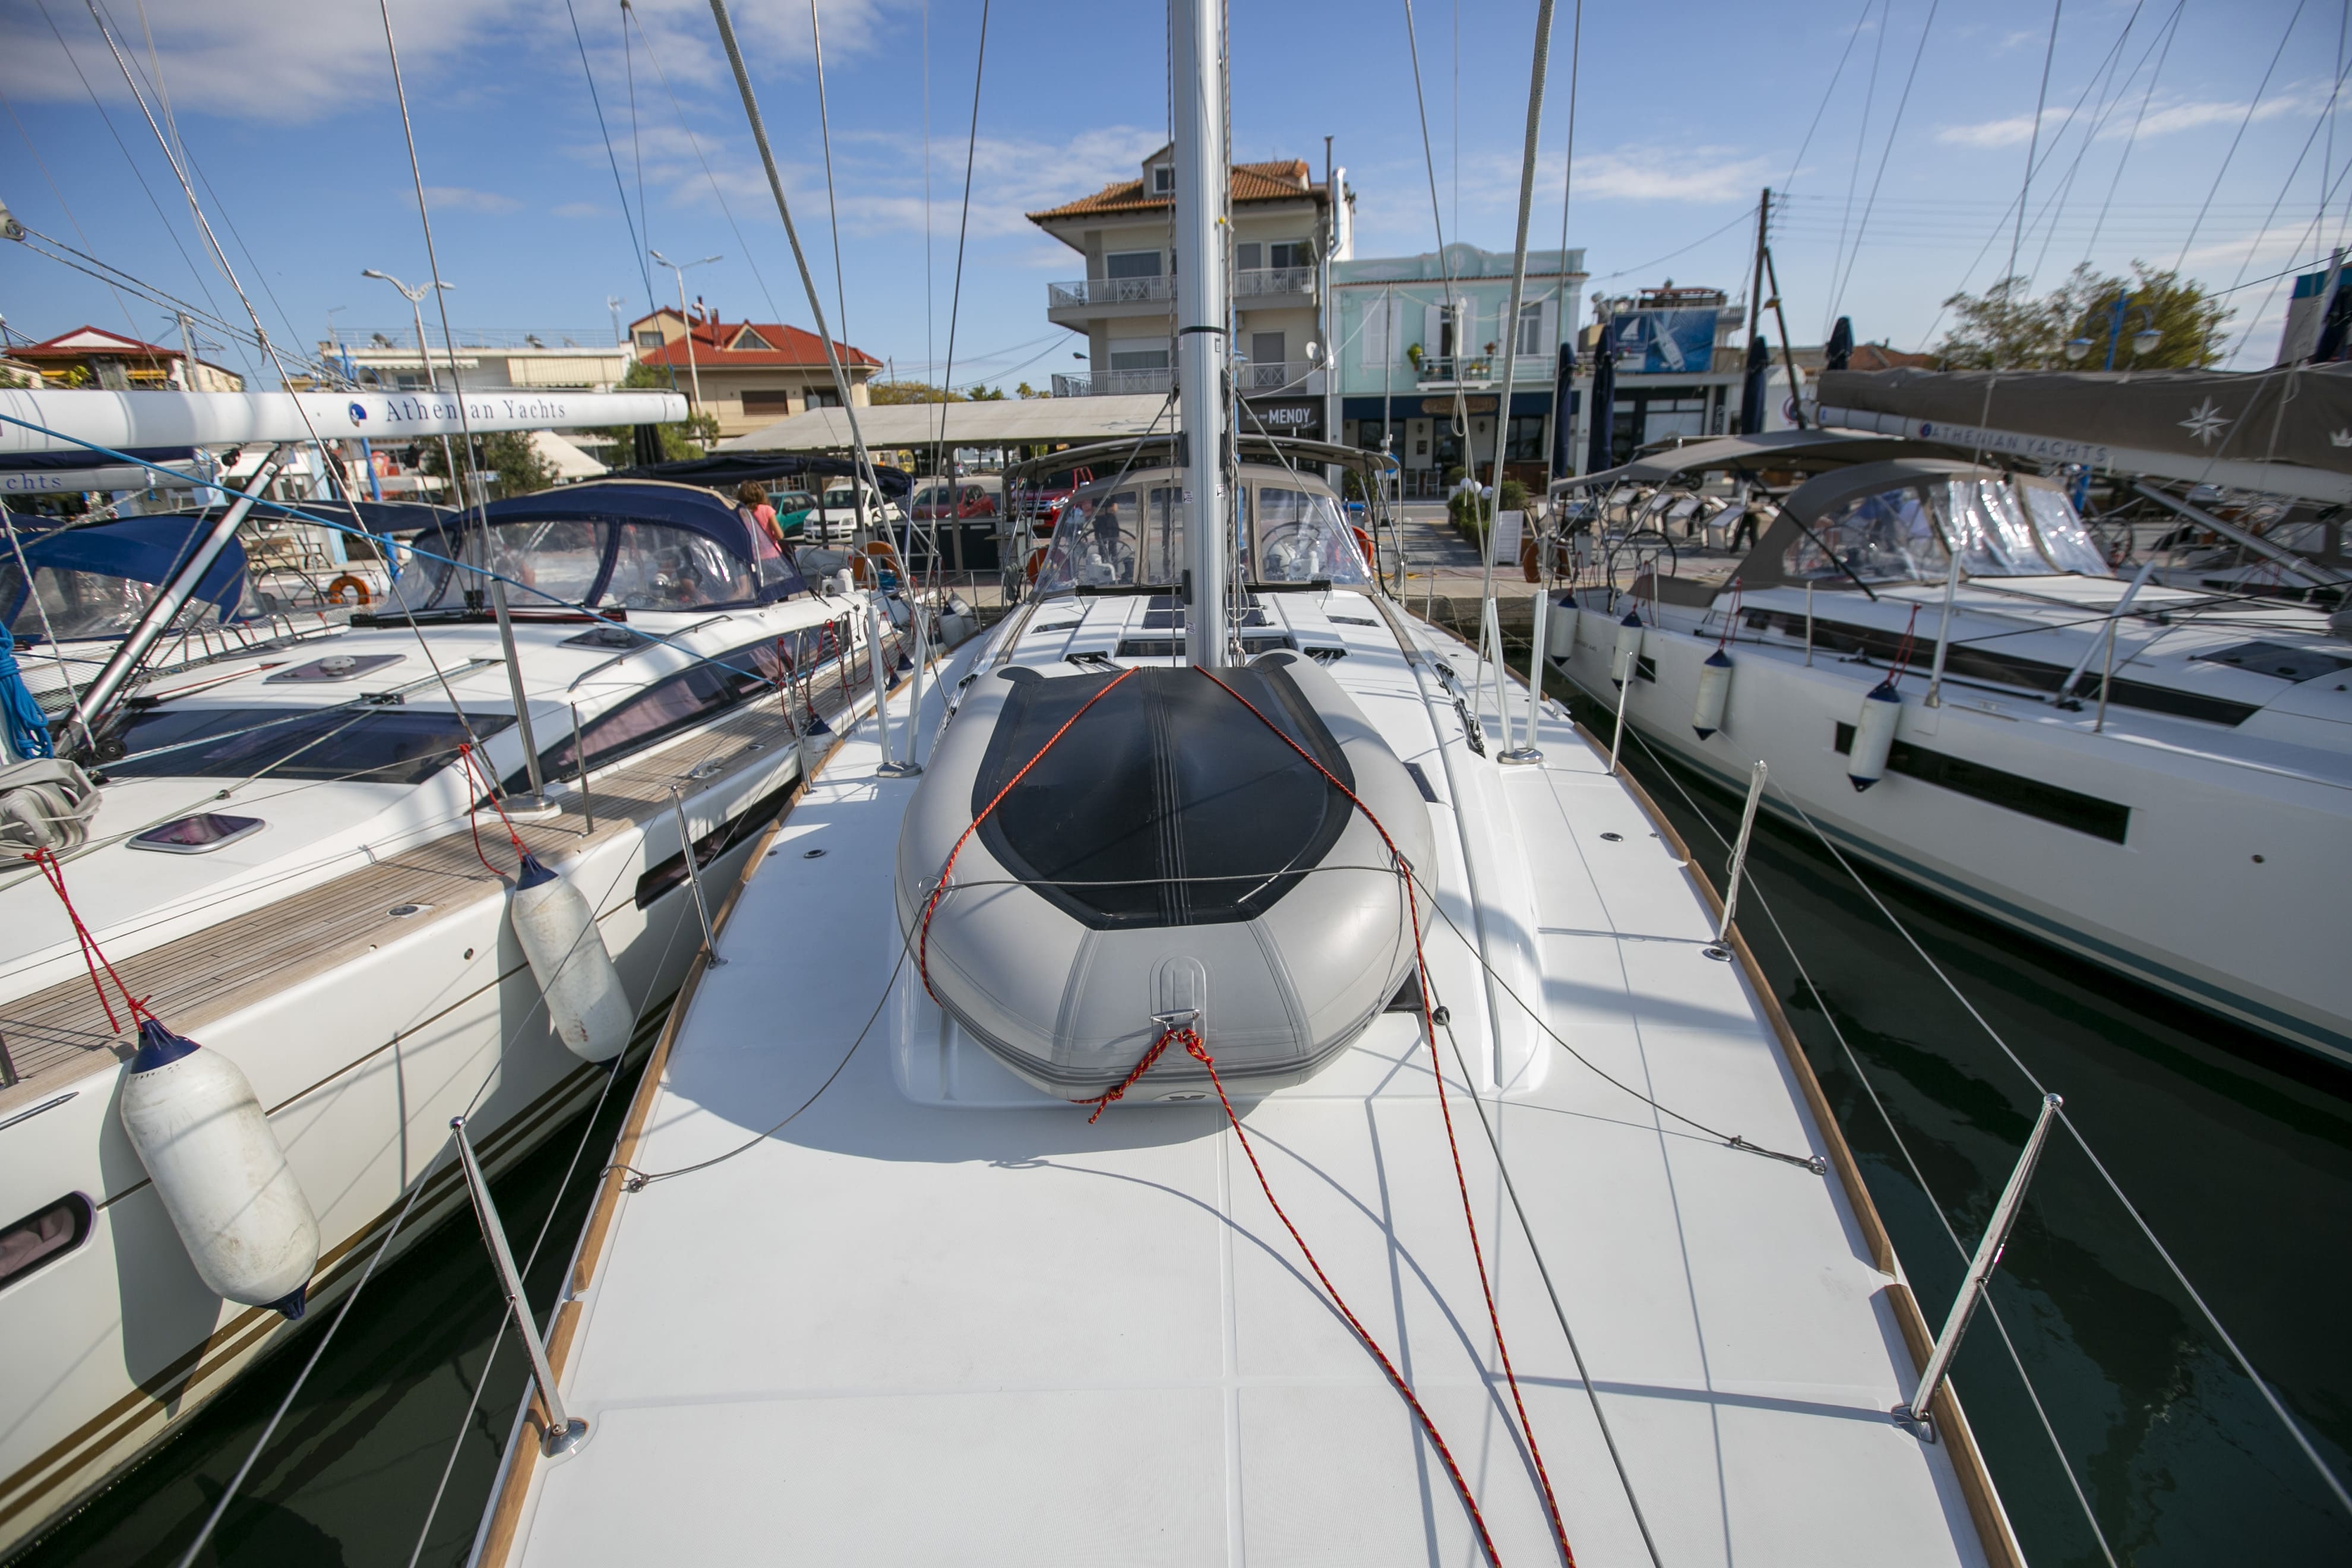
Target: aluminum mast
<point>1196,58</point>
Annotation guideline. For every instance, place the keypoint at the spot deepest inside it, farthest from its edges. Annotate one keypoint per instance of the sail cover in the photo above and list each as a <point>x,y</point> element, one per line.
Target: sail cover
<point>2287,430</point>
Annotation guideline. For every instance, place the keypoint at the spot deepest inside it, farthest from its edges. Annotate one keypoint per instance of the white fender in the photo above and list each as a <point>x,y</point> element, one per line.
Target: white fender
<point>558,931</point>
<point>1714,691</point>
<point>1626,656</point>
<point>220,1171</point>
<point>1559,630</point>
<point>1873,735</point>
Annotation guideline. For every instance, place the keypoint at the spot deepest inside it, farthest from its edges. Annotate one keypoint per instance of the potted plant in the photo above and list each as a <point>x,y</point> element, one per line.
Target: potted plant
<point>1413,353</point>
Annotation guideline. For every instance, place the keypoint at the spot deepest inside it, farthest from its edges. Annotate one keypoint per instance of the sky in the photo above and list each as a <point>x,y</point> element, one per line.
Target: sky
<point>557,142</point>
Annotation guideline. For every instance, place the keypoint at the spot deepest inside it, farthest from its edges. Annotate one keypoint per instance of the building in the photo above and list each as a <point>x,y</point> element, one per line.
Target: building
<point>93,357</point>
<point>748,375</point>
<point>579,360</point>
<point>1420,356</point>
<point>1287,232</point>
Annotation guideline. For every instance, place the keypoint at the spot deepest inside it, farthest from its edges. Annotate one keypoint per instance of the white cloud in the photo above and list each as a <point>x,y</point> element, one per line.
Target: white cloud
<point>2162,119</point>
<point>582,209</point>
<point>1697,175</point>
<point>294,60</point>
<point>463,199</point>
<point>2013,131</point>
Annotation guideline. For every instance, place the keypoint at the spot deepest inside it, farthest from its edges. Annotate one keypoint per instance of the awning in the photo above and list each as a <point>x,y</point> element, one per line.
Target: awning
<point>2285,431</point>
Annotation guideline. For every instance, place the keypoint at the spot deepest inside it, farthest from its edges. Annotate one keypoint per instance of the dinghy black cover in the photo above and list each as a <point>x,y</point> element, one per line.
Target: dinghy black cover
<point>1170,853</point>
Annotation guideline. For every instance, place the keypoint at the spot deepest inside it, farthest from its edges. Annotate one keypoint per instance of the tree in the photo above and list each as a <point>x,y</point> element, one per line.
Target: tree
<point>1025,391</point>
<point>507,462</point>
<point>2005,328</point>
<point>986,393</point>
<point>690,439</point>
<point>886,393</point>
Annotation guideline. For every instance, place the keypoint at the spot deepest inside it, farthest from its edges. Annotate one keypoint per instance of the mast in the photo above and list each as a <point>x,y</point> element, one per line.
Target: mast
<point>1196,61</point>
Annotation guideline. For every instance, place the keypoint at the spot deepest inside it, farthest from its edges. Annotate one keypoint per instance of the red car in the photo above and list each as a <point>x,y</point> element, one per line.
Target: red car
<point>936,502</point>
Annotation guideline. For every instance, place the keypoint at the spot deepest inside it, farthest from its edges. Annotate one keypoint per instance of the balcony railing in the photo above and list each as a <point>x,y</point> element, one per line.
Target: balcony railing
<point>1112,383</point>
<point>1087,291</point>
<point>1273,375</point>
<point>1260,281</point>
<point>1479,369</point>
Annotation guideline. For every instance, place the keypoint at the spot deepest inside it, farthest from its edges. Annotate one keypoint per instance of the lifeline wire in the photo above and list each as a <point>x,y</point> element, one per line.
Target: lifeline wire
<point>415,1190</point>
<point>2293,1430</point>
<point>1755,891</point>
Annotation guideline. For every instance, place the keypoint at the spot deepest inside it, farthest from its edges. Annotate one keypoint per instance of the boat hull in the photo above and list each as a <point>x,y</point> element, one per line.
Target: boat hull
<point>2219,893</point>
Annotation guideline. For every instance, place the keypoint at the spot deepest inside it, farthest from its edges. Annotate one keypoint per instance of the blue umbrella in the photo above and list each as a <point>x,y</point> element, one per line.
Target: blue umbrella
<point>1563,393</point>
<point>1840,351</point>
<point>1751,390</point>
<point>1600,421</point>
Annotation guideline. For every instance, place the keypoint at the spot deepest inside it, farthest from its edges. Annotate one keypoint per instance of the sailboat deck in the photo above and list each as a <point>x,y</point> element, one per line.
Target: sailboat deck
<point>53,1036</point>
<point>932,1316</point>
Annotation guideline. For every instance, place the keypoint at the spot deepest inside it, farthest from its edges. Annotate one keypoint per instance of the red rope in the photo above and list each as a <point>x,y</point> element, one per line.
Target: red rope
<point>1731,619</point>
<point>93,957</point>
<point>1437,1071</point>
<point>1396,1380</point>
<point>931,904</point>
<point>1902,661</point>
<point>474,806</point>
<point>1103,1101</point>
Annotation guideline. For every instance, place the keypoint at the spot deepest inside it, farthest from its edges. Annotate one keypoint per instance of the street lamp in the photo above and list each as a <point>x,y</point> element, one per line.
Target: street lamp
<point>693,370</point>
<point>2142,341</point>
<point>417,314</point>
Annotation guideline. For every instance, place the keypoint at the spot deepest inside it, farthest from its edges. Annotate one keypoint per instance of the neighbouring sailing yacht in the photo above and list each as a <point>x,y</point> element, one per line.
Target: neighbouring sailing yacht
<point>1221,1106</point>
<point>290,852</point>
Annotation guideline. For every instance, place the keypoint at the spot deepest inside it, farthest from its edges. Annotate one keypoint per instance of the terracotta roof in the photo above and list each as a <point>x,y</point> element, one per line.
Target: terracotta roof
<point>788,346</point>
<point>1878,356</point>
<point>1284,179</point>
<point>83,342</point>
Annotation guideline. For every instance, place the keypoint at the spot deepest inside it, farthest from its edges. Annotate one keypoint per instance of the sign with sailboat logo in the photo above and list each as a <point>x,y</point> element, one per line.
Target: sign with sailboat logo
<point>1668,342</point>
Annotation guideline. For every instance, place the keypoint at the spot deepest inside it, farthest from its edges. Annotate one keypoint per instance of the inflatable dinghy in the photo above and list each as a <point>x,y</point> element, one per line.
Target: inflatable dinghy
<point>1135,851</point>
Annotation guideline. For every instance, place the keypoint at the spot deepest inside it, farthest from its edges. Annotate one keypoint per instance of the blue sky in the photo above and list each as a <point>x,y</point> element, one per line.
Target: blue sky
<point>1684,112</point>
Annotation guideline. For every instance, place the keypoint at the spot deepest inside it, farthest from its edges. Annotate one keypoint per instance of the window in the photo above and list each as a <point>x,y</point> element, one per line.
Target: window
<point>673,703</point>
<point>650,339</point>
<point>748,339</point>
<point>1374,347</point>
<point>1163,179</point>
<point>1301,537</point>
<point>658,568</point>
<point>1889,537</point>
<point>1531,341</point>
<point>1131,264</point>
<point>1138,359</point>
<point>774,402</point>
<point>824,397</point>
<point>2064,540</point>
<point>1249,257</point>
<point>1291,253</point>
<point>372,745</point>
<point>41,1238</point>
<point>561,560</point>
<point>1095,543</point>
<point>1525,441</point>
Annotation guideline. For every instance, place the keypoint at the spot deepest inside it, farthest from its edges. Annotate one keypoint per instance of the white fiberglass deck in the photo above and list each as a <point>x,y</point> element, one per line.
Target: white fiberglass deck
<point>939,1319</point>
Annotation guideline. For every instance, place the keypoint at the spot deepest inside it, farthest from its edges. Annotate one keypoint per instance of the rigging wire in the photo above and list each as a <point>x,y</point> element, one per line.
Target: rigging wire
<point>750,253</point>
<point>644,272</point>
<point>171,233</point>
<point>2172,30</point>
<point>2054,209</point>
<point>1739,222</point>
<point>963,228</point>
<point>41,164</point>
<point>832,212</point>
<point>1893,127</point>
<point>1830,91</point>
<point>1861,139</point>
<point>2252,104</point>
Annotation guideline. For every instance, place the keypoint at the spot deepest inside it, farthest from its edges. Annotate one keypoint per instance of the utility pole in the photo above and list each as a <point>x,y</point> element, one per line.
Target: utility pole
<point>1756,288</point>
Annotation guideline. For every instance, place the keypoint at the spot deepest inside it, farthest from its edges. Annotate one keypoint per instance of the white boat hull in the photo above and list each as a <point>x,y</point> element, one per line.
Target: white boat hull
<point>2225,893</point>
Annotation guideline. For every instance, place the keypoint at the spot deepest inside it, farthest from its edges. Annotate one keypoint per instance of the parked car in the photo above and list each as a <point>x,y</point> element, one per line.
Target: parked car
<point>936,500</point>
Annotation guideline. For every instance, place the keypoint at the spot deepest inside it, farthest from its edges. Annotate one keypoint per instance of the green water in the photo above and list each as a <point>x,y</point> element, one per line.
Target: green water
<point>347,1480</point>
<point>2238,1151</point>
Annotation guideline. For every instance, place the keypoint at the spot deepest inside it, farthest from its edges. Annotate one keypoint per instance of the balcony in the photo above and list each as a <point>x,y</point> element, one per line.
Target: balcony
<point>1085,299</point>
<point>1480,370</point>
<point>1274,285</point>
<point>1298,377</point>
<point>1114,382</point>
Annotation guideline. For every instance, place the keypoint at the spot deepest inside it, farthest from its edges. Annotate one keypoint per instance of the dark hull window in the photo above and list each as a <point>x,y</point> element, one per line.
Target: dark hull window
<point>1169,804</point>
<point>365,745</point>
<point>2014,792</point>
<point>40,1239</point>
<point>1970,661</point>
<point>675,703</point>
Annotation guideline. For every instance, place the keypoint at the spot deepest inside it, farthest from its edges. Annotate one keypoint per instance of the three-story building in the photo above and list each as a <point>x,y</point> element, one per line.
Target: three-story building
<point>1286,231</point>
